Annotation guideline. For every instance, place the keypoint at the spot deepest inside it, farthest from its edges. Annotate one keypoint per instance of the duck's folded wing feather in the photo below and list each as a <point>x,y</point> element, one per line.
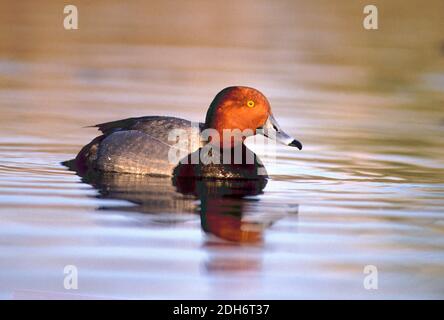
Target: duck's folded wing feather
<point>132,151</point>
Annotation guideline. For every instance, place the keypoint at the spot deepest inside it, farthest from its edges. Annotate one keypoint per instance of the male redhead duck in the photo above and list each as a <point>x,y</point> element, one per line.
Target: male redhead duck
<point>143,145</point>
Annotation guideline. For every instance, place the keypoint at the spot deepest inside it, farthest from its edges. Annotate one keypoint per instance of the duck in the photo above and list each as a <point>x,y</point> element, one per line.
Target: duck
<point>145,145</point>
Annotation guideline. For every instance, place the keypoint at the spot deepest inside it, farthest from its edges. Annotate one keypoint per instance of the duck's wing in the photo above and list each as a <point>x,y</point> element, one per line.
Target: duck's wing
<point>132,151</point>
<point>139,145</point>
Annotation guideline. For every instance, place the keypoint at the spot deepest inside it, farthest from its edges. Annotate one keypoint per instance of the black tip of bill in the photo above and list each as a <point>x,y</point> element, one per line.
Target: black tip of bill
<point>296,143</point>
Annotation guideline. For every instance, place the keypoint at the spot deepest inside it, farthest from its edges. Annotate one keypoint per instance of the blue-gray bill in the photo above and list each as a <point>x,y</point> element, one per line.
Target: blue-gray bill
<point>272,129</point>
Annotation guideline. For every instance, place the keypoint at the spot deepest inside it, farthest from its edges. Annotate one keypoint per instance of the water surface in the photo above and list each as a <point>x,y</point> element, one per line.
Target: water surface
<point>367,189</point>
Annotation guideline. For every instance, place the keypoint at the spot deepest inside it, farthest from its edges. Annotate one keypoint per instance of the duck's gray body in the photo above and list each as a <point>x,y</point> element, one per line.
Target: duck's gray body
<point>142,146</point>
<point>136,145</point>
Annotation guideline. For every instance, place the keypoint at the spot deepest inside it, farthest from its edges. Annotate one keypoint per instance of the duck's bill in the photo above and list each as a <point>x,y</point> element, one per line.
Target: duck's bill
<point>272,130</point>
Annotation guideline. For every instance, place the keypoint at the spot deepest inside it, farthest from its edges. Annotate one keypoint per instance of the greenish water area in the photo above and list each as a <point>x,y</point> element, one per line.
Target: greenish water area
<point>367,188</point>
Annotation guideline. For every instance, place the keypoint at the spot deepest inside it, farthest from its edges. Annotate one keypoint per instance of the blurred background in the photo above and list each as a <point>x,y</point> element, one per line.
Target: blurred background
<point>367,188</point>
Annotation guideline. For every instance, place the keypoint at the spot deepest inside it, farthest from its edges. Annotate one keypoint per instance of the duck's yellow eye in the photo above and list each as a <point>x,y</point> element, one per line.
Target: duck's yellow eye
<point>250,104</point>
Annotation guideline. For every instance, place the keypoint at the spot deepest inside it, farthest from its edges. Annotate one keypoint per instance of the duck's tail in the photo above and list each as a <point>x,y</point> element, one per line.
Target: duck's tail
<point>86,157</point>
<point>70,164</point>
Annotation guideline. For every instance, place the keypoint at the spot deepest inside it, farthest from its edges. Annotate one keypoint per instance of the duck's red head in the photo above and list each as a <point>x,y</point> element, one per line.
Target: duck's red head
<point>245,109</point>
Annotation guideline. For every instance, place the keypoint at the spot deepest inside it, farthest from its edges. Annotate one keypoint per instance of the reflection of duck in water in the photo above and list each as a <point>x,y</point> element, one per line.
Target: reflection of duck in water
<point>222,205</point>
<point>223,202</point>
<point>143,145</point>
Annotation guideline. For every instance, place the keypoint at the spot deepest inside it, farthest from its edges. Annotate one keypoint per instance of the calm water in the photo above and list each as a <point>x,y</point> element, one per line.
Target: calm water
<point>368,188</point>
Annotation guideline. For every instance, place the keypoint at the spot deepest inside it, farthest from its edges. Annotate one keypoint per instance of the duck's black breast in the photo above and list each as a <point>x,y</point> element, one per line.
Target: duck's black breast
<point>248,167</point>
